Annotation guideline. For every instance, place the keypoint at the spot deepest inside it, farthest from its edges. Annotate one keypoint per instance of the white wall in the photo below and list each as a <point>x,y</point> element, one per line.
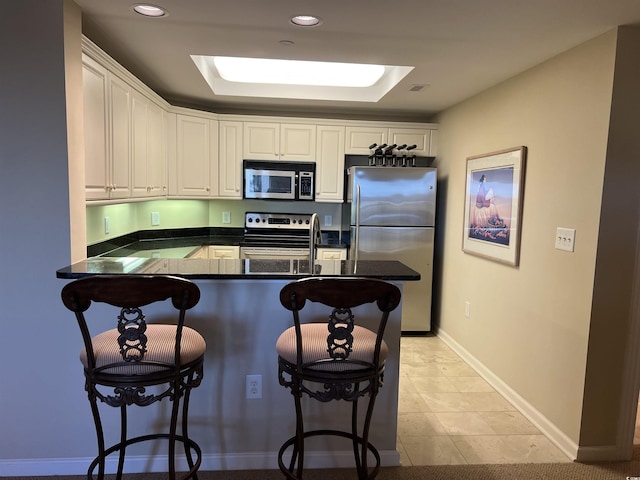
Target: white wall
<point>530,325</point>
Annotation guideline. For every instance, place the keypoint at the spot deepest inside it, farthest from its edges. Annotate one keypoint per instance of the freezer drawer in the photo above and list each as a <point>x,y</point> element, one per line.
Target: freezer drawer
<point>412,246</point>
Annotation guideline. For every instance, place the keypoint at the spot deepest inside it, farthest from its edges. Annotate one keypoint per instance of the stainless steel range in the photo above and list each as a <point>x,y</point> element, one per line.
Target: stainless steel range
<point>286,236</point>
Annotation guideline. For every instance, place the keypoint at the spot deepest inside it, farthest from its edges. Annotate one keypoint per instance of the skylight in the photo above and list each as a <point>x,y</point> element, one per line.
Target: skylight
<point>260,77</point>
<point>293,72</point>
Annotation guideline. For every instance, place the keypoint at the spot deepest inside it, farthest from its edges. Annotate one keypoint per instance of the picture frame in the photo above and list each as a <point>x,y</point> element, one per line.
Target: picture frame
<point>493,205</point>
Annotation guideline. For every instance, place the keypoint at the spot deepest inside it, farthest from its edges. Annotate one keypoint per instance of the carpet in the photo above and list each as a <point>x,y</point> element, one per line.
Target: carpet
<point>527,471</point>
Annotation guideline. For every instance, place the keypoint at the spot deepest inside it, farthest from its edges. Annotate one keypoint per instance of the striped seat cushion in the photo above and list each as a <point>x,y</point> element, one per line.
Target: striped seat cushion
<point>161,340</point>
<point>314,348</point>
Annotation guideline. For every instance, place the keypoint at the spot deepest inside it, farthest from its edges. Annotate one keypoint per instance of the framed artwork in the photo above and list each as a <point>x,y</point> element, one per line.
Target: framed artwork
<point>493,205</point>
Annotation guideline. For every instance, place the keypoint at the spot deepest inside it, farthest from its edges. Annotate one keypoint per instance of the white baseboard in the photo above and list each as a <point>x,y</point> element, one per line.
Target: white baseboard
<point>158,463</point>
<point>542,423</point>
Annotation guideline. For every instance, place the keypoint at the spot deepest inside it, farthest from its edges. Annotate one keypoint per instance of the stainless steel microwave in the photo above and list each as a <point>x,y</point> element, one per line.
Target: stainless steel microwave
<point>279,180</point>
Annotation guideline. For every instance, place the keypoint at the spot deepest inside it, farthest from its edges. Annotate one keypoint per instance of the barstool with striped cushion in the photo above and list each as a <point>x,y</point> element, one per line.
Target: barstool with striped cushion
<point>120,364</point>
<point>335,359</point>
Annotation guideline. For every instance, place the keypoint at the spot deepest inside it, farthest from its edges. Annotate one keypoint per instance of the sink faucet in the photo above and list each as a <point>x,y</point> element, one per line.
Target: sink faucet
<point>314,238</point>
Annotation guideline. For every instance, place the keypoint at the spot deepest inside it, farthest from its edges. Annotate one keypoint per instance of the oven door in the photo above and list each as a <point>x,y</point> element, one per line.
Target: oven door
<point>274,253</point>
<point>270,184</point>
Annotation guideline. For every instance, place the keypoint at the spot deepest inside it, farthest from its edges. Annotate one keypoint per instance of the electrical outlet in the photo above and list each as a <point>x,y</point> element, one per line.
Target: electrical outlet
<point>328,220</point>
<point>467,309</point>
<point>155,219</point>
<point>107,225</point>
<point>226,217</point>
<point>254,386</point>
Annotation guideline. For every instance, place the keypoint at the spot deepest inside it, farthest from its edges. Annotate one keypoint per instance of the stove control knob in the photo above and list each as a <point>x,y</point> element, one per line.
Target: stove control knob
<point>249,219</point>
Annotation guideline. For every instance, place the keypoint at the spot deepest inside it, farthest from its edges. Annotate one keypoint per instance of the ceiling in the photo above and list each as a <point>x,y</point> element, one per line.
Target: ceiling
<point>458,47</point>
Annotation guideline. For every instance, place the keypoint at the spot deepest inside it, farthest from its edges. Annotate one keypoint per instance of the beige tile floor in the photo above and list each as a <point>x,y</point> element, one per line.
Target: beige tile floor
<point>449,415</point>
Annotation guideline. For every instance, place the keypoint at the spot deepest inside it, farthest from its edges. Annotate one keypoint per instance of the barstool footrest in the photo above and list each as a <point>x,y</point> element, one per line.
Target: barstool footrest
<point>155,436</point>
<point>315,433</point>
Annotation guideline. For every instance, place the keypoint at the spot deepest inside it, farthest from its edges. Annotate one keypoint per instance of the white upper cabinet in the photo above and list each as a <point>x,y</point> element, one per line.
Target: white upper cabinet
<point>149,163</point>
<point>330,164</point>
<point>230,158</point>
<point>359,139</point>
<point>414,136</point>
<point>96,120</point>
<point>196,157</point>
<point>107,126</point>
<point>279,141</point>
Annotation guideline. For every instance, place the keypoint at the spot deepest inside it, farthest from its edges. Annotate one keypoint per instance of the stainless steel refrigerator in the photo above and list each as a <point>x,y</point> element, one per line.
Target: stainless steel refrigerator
<point>392,217</point>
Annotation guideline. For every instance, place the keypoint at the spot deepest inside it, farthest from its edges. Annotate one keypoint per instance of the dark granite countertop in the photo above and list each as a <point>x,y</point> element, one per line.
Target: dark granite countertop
<point>179,243</point>
<point>238,269</point>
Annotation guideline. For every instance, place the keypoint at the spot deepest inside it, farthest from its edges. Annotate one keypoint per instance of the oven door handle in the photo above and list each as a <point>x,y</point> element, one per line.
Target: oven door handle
<point>275,253</point>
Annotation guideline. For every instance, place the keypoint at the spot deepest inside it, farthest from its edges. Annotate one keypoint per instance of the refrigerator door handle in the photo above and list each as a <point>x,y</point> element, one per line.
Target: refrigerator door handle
<point>357,250</point>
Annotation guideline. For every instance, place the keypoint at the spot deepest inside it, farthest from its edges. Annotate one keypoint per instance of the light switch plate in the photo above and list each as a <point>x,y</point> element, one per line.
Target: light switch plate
<point>565,238</point>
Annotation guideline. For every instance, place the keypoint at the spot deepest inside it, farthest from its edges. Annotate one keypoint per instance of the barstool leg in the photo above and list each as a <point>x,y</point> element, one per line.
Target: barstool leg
<point>100,434</point>
<point>354,434</point>
<point>123,440</point>
<point>185,433</point>
<point>299,446</point>
<point>172,430</point>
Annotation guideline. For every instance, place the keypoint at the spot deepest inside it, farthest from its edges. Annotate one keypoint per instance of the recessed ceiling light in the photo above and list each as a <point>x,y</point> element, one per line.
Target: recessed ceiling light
<point>149,10</point>
<point>306,20</point>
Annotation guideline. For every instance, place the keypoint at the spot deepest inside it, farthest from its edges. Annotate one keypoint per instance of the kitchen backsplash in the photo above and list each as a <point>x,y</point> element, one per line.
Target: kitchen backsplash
<point>110,221</point>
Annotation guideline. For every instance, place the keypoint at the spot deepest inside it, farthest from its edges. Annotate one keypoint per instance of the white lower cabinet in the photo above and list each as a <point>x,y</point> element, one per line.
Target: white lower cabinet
<point>224,251</point>
<point>217,252</point>
<point>331,253</point>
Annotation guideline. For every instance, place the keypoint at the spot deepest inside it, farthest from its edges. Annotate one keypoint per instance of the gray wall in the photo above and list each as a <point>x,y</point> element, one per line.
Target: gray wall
<point>40,398</point>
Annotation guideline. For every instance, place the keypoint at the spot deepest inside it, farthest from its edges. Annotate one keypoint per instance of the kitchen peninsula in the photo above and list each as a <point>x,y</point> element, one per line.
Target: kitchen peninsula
<point>240,316</point>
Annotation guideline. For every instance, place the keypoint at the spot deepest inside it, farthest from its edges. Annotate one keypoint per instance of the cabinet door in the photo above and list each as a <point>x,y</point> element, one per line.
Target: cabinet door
<point>140,140</point>
<point>156,151</point>
<point>97,166</point>
<point>120,127</point>
<point>330,164</point>
<point>230,158</point>
<point>222,251</point>
<point>194,147</point>
<point>360,138</point>
<point>332,254</point>
<point>261,141</point>
<point>275,141</point>
<point>297,142</point>
<point>412,136</point>
<point>148,170</point>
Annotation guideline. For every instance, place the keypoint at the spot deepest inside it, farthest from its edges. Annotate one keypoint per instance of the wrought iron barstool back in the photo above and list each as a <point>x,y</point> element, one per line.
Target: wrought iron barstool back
<point>334,360</point>
<point>121,363</point>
